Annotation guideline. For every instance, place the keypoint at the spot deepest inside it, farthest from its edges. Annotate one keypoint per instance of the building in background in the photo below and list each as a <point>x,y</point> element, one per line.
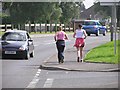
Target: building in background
<point>91,14</point>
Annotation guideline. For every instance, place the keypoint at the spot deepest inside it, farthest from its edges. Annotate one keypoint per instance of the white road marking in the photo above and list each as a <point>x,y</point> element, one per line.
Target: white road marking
<point>35,80</point>
<point>48,83</point>
<point>66,72</point>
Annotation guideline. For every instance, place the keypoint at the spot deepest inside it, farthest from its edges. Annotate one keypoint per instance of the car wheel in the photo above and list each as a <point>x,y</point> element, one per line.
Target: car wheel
<point>88,34</point>
<point>104,34</point>
<point>27,55</point>
<point>97,34</point>
<point>32,54</point>
<point>2,56</point>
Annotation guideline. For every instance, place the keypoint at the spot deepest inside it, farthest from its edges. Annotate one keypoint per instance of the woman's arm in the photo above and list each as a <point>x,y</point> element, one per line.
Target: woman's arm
<point>55,37</point>
<point>74,34</point>
<point>66,37</point>
<point>85,34</point>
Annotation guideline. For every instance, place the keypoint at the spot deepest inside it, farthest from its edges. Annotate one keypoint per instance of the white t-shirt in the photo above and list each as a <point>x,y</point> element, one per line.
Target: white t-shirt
<point>79,33</point>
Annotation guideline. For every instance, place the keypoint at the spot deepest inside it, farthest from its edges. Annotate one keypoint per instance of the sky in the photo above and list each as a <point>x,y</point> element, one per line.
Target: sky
<point>88,3</point>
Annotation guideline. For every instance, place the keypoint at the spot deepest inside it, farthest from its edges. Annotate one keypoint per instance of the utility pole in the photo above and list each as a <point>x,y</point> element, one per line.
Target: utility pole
<point>115,26</point>
<point>111,26</point>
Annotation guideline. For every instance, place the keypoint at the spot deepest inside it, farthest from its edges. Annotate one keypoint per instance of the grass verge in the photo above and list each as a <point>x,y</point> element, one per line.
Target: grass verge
<point>104,54</point>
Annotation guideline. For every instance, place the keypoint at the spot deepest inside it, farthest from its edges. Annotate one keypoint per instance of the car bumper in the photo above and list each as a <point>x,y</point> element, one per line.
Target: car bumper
<point>18,54</point>
<point>91,31</point>
<point>102,31</point>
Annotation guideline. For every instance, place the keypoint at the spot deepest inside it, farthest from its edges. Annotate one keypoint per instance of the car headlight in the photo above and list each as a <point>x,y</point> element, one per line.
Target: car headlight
<point>95,26</point>
<point>22,48</point>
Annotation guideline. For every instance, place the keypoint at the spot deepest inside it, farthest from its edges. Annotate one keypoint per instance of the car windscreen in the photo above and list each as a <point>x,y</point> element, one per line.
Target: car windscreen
<point>14,36</point>
<point>89,23</point>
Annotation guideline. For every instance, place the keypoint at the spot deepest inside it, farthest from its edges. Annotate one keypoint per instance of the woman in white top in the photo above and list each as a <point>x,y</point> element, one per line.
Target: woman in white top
<point>80,35</point>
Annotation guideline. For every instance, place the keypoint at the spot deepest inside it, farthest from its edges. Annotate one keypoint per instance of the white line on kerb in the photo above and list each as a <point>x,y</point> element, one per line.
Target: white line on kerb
<point>35,80</point>
<point>48,83</point>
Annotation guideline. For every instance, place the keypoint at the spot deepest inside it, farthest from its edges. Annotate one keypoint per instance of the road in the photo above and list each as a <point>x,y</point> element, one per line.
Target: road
<point>27,74</point>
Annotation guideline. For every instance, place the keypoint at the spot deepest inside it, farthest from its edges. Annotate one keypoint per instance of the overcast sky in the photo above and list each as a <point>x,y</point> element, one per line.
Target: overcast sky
<point>88,3</point>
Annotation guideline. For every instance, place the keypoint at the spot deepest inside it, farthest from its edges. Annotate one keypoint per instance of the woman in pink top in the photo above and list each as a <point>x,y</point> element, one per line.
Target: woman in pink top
<point>60,38</point>
<point>80,35</point>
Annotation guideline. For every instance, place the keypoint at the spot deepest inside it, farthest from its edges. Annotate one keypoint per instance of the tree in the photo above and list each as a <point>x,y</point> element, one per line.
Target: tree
<point>56,13</point>
<point>5,16</point>
<point>107,11</point>
<point>42,12</point>
<point>103,10</point>
<point>70,10</point>
<point>5,19</point>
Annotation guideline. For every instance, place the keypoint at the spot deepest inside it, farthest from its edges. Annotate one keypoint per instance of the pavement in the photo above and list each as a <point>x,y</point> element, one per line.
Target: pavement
<point>71,64</point>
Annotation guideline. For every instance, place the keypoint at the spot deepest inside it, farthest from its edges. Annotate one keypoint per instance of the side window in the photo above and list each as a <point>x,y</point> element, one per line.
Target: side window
<point>98,23</point>
<point>93,23</point>
<point>86,23</point>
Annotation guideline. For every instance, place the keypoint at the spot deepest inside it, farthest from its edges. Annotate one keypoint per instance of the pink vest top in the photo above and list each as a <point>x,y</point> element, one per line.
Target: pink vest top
<point>60,35</point>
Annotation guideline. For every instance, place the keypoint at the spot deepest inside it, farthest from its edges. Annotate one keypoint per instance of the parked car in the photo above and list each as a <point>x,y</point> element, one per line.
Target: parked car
<point>17,43</point>
<point>93,27</point>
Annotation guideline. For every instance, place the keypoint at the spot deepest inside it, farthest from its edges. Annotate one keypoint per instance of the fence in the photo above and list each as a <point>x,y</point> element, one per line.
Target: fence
<point>37,27</point>
<point>5,27</point>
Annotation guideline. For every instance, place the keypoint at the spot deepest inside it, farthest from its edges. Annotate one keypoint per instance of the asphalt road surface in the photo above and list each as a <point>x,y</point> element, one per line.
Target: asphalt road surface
<point>27,74</point>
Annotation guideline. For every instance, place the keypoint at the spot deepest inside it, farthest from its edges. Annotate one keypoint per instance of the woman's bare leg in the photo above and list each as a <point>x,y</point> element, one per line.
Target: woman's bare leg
<point>81,53</point>
<point>78,54</point>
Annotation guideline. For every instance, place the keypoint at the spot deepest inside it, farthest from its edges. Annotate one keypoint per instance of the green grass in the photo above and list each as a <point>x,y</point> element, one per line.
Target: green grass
<point>104,54</point>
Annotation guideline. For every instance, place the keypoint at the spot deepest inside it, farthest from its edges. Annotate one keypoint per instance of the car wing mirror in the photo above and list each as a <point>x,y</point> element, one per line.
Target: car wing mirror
<point>30,40</point>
